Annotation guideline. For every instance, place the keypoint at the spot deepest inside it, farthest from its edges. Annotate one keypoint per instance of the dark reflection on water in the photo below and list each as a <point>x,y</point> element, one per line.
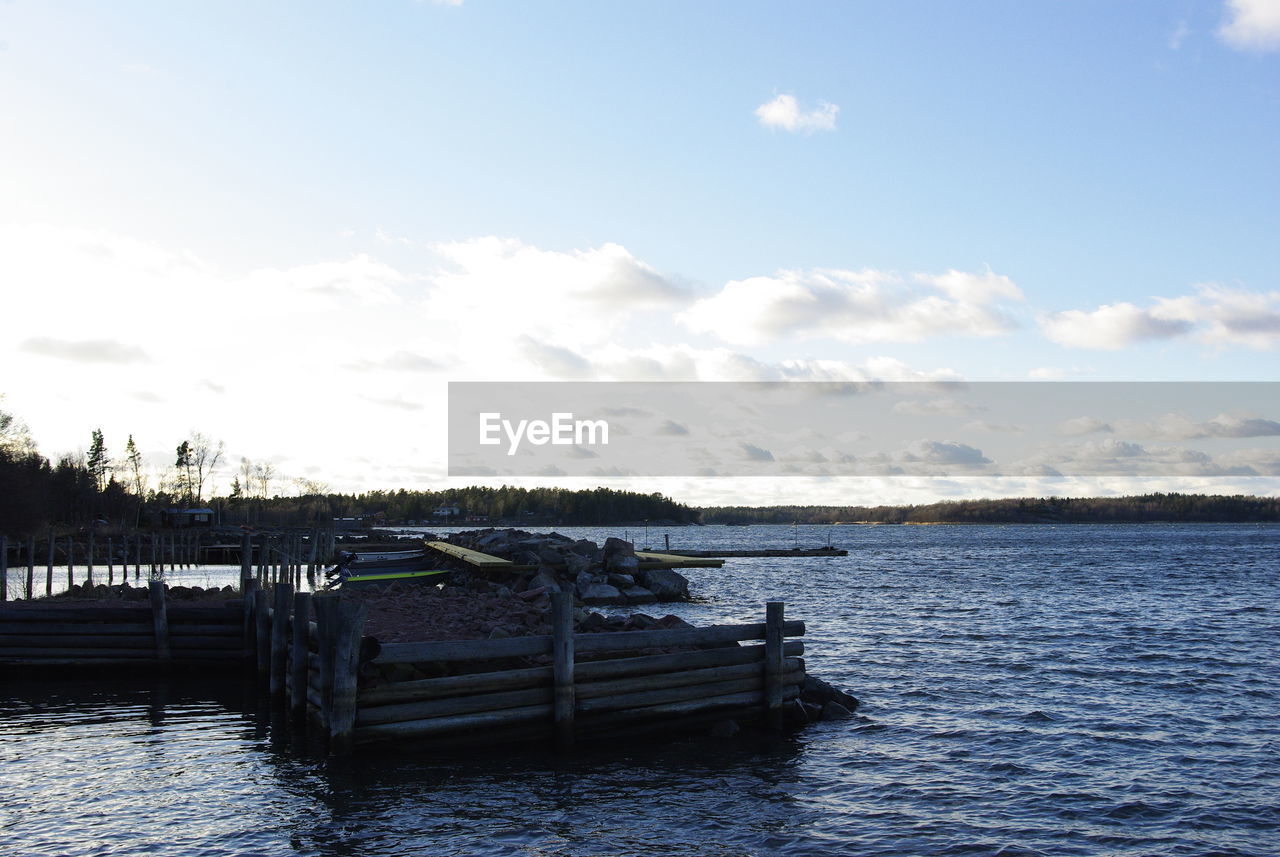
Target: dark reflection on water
<point>1088,690</point>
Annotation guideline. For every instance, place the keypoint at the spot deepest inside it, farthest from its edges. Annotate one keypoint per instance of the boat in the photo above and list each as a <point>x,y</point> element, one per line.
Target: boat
<point>388,577</point>
<point>382,568</point>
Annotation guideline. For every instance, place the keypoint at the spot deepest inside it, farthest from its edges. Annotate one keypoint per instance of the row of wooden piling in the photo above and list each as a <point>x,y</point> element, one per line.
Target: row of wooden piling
<point>154,633</point>
<point>561,686</point>
<point>285,557</point>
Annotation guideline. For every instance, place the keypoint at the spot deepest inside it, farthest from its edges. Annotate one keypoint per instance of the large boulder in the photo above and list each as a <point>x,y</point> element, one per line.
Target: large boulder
<point>638,595</point>
<point>546,578</point>
<point>665,584</point>
<point>600,593</point>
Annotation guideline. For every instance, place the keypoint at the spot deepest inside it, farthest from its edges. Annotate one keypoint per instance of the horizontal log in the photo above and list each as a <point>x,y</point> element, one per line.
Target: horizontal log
<point>645,698</point>
<point>37,626</point>
<point>139,653</point>
<point>437,688</point>
<point>462,650</point>
<point>627,640</point>
<point>646,664</point>
<point>90,662</point>
<point>453,706</point>
<point>438,725</point>
<point>679,678</point>
<point>752,699</point>
<point>115,641</point>
<point>215,615</point>
<point>473,650</point>
<point>85,641</point>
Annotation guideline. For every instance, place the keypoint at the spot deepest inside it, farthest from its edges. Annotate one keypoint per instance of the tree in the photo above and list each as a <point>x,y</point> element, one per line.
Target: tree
<point>205,455</point>
<point>133,468</point>
<point>262,476</point>
<point>184,465</point>
<point>15,438</point>
<point>97,462</point>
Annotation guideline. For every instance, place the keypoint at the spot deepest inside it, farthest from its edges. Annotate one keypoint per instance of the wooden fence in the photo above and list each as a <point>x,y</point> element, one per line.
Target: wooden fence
<point>156,633</point>
<point>563,685</point>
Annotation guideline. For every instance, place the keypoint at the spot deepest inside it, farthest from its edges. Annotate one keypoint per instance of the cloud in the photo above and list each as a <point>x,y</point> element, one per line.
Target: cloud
<point>854,306</point>
<point>1178,36</point>
<point>554,360</point>
<point>784,112</point>
<point>400,361</point>
<point>1082,425</point>
<point>750,452</point>
<point>1110,327</point>
<point>1180,427</point>
<point>1252,25</point>
<point>395,402</point>
<point>936,407</point>
<point>671,428</point>
<point>360,280</point>
<point>1214,314</point>
<point>85,350</point>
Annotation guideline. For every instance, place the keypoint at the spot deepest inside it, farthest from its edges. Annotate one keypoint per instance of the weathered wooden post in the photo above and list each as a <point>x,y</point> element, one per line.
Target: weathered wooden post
<point>48,574</point>
<point>160,619</point>
<point>326,605</point>
<point>137,555</point>
<point>88,581</point>
<point>71,561</point>
<point>311,556</point>
<point>262,633</point>
<point>773,663</point>
<point>346,668</point>
<point>562,666</point>
<point>246,561</point>
<point>299,654</point>
<point>152,572</point>
<point>4,569</point>
<point>31,567</point>
<point>250,621</point>
<point>111,562</point>
<point>282,600</point>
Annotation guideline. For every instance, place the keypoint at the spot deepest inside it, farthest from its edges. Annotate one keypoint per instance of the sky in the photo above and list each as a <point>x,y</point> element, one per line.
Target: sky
<point>289,226</point>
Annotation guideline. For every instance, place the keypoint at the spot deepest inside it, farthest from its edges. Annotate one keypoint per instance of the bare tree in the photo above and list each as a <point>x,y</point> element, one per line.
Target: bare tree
<point>262,476</point>
<point>205,455</point>
<point>15,437</point>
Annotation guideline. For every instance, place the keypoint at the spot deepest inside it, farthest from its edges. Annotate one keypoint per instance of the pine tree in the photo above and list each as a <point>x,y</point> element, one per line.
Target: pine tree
<point>97,462</point>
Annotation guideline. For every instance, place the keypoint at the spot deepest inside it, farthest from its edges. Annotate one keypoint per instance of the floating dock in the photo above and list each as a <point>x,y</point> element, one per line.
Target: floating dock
<point>780,553</point>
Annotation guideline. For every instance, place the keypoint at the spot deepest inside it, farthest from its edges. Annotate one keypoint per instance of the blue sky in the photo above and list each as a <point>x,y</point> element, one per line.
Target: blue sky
<point>224,210</point>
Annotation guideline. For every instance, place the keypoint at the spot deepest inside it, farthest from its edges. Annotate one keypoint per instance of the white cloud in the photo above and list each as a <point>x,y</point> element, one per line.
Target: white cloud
<point>784,112</point>
<point>1216,315</point>
<point>1083,425</point>
<point>1110,326</point>
<point>85,350</point>
<point>1181,427</point>
<point>854,306</point>
<point>1178,36</point>
<point>1252,25</point>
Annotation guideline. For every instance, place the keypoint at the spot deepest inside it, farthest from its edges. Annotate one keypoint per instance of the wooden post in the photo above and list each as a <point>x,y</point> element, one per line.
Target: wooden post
<point>346,668</point>
<point>153,555</point>
<point>562,666</point>
<point>71,561</point>
<point>283,599</point>
<point>89,577</point>
<point>48,575</point>
<point>773,663</point>
<point>299,654</point>
<point>246,561</point>
<point>160,618</point>
<point>137,555</point>
<point>311,557</point>
<point>4,569</point>
<point>262,632</point>
<point>111,562</point>
<point>31,567</point>
<point>250,621</point>
<point>326,605</point>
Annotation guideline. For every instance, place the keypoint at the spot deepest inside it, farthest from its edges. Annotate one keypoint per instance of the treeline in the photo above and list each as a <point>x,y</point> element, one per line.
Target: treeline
<point>507,504</point>
<point>1146,508</point>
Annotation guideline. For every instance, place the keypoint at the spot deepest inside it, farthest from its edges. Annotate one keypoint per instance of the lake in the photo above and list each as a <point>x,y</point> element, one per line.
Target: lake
<point>1026,690</point>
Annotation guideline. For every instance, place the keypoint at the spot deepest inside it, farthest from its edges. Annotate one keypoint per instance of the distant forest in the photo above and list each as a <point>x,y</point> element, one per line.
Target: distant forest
<point>78,491</point>
<point>1146,508</point>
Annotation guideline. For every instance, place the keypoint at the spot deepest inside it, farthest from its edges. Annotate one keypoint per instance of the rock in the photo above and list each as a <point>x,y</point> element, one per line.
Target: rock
<point>548,555</point>
<point>664,583</point>
<point>584,547</point>
<point>615,547</point>
<point>546,578</point>
<point>818,692</point>
<point>669,621</point>
<point>642,621</point>
<point>794,713</point>
<point>725,729</point>
<point>592,622</point>
<point>600,593</point>
<point>639,595</point>
<point>530,594</point>
<point>575,564</point>
<point>622,581</point>
<point>622,564</point>
<point>498,633</point>
<point>835,711</point>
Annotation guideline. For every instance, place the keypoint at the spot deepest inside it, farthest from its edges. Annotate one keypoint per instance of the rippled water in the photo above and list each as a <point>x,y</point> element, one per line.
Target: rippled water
<point>1026,690</point>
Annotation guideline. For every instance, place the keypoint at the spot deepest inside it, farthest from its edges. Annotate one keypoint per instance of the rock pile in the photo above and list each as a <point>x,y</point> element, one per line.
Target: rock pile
<point>595,574</point>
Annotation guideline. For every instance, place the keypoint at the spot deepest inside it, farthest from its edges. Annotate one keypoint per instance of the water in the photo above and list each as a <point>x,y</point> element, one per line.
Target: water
<point>1089,690</point>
